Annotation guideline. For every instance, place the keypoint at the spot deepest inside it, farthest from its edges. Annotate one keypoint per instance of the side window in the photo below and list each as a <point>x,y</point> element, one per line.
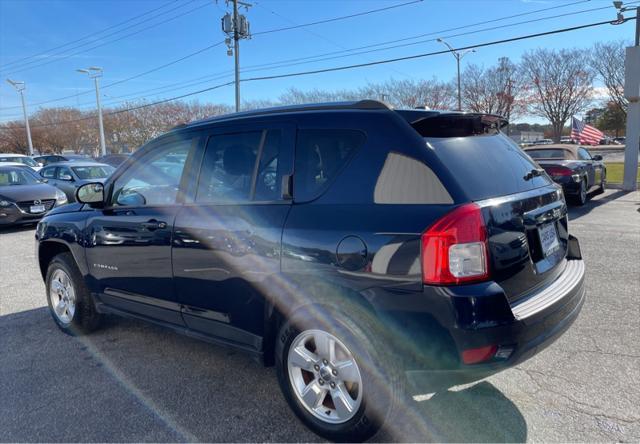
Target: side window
<point>583,154</point>
<point>320,155</point>
<point>227,168</point>
<point>155,178</point>
<point>48,173</point>
<point>63,172</point>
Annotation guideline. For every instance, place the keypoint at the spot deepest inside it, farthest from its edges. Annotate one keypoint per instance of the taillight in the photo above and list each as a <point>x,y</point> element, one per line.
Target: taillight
<point>558,171</point>
<point>454,249</point>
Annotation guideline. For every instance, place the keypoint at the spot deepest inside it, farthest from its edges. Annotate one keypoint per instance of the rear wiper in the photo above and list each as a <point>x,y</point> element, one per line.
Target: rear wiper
<point>533,173</point>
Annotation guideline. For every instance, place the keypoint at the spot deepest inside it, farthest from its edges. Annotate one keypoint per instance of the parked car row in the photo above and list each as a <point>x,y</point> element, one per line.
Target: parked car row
<point>29,190</point>
<point>37,162</point>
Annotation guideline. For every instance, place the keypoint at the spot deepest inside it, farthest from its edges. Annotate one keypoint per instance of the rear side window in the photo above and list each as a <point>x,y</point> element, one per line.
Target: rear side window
<point>404,180</point>
<point>583,154</point>
<point>320,156</point>
<point>227,167</point>
<point>241,167</point>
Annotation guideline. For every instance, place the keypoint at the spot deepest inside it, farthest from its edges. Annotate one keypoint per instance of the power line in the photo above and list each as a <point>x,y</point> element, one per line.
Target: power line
<point>92,35</point>
<point>335,19</point>
<point>347,67</point>
<point>66,56</point>
<point>319,57</point>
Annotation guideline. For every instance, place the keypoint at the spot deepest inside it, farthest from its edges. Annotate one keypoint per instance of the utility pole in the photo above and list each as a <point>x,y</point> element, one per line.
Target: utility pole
<point>20,87</point>
<point>237,27</point>
<point>632,93</point>
<point>458,55</point>
<point>95,73</point>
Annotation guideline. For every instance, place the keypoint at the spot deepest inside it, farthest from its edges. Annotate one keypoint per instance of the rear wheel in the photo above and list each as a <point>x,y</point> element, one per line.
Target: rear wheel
<point>333,377</point>
<point>70,302</point>
<point>603,183</point>
<point>581,197</point>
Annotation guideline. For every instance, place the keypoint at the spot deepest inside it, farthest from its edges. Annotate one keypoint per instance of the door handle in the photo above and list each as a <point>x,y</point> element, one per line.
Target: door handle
<point>153,225</point>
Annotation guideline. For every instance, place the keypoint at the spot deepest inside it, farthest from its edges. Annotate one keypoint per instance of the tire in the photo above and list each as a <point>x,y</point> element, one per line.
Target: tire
<point>371,398</point>
<point>70,303</point>
<point>581,198</point>
<point>603,182</point>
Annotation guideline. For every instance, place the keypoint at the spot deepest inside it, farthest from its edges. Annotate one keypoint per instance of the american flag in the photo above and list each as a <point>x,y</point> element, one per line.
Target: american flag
<point>585,133</point>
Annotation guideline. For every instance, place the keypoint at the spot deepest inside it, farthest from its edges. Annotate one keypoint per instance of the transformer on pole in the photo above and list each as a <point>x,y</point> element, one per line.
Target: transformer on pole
<point>236,27</point>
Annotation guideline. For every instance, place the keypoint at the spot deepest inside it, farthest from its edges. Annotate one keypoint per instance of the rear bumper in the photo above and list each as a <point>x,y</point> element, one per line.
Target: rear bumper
<point>569,185</point>
<point>538,321</point>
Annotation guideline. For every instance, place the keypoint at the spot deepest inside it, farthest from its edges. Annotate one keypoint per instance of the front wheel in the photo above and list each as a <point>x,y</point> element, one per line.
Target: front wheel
<point>332,376</point>
<point>70,302</point>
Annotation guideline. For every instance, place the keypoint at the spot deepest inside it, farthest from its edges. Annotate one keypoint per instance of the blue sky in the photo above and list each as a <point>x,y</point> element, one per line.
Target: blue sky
<point>29,27</point>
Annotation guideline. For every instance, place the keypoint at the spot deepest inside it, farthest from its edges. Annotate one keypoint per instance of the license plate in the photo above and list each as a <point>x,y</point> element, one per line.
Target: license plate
<point>37,209</point>
<point>548,238</point>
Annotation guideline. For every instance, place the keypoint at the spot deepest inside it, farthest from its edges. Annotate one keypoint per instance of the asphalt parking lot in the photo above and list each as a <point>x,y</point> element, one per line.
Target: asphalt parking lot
<point>136,382</point>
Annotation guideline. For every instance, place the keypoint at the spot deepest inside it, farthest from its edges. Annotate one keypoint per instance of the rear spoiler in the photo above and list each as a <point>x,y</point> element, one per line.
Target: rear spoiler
<point>454,124</point>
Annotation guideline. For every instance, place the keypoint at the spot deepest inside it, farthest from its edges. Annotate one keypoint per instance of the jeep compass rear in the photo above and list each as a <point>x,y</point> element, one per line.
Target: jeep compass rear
<point>362,250</point>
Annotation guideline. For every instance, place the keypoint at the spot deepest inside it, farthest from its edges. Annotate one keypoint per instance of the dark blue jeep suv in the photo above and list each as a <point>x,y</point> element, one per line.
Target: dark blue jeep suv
<point>361,250</point>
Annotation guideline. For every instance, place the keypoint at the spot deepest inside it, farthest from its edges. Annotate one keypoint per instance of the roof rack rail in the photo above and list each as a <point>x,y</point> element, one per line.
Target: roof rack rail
<point>366,104</point>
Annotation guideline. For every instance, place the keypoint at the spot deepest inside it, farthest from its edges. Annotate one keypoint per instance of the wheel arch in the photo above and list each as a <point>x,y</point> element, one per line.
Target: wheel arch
<point>49,249</point>
<point>324,296</point>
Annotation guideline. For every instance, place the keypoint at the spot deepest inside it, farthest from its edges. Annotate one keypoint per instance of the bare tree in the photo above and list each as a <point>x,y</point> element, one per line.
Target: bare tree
<point>432,93</point>
<point>499,89</point>
<point>561,84</point>
<point>607,60</point>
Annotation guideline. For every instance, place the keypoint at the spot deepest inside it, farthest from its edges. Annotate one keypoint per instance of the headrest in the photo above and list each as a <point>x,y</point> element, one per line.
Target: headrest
<point>239,160</point>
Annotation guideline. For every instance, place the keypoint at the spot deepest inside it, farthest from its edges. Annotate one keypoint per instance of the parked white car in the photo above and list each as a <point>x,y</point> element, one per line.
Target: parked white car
<point>21,158</point>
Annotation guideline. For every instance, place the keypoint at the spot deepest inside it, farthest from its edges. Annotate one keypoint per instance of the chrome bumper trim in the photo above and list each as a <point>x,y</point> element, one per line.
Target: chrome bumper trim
<point>549,295</point>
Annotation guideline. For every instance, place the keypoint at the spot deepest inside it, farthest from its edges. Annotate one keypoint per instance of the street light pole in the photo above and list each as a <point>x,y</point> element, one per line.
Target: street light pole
<point>20,87</point>
<point>458,55</point>
<point>95,73</point>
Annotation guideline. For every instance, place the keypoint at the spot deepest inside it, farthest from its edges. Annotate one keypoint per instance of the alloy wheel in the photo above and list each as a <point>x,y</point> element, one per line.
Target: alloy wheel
<point>324,376</point>
<point>62,296</point>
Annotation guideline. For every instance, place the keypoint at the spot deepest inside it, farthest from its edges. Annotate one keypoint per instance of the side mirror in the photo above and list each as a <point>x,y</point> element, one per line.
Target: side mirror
<point>131,198</point>
<point>43,180</point>
<point>597,157</point>
<point>66,177</point>
<point>90,193</point>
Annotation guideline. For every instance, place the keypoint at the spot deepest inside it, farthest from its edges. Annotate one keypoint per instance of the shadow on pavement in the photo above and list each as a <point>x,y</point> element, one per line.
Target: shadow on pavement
<point>595,201</point>
<point>477,413</point>
<point>132,381</point>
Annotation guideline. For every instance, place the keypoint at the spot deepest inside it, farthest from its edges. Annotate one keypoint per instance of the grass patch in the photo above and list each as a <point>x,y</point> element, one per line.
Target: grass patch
<point>615,172</point>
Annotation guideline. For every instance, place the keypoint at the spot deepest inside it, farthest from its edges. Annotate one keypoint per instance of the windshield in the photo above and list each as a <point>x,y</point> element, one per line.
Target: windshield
<point>15,176</point>
<point>19,159</point>
<point>548,154</point>
<point>92,172</point>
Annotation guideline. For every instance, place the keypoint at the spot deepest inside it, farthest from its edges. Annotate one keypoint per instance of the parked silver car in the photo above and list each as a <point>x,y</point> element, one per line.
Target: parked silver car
<point>68,176</point>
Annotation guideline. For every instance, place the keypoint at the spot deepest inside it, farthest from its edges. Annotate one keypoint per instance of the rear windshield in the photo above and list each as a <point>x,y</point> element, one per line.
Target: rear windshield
<point>548,154</point>
<point>487,166</point>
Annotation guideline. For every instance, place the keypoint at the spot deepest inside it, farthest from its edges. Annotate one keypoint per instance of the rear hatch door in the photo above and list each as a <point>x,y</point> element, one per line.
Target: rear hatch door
<point>525,212</point>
